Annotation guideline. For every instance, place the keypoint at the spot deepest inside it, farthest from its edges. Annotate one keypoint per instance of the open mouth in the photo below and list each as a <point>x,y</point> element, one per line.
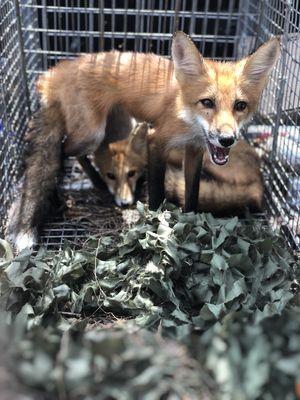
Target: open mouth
<point>219,155</point>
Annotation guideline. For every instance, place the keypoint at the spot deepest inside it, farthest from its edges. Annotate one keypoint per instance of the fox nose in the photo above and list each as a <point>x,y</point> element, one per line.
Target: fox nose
<point>125,202</point>
<point>226,141</point>
<point>122,202</point>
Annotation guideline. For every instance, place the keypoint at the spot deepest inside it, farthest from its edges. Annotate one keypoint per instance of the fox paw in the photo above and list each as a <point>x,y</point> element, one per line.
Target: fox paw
<point>25,240</point>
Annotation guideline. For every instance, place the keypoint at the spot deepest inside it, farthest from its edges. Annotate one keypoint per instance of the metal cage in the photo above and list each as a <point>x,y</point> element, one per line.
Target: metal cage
<point>36,34</point>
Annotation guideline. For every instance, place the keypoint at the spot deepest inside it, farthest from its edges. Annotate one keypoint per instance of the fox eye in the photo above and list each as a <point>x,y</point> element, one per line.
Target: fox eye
<point>240,105</point>
<point>131,173</point>
<point>208,103</point>
<point>111,176</point>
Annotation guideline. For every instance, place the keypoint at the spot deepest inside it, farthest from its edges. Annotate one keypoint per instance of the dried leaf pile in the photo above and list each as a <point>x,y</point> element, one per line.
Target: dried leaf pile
<point>219,299</point>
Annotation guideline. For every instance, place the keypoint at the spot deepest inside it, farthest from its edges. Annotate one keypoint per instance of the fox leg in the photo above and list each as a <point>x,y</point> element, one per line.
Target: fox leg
<point>192,171</point>
<point>91,172</point>
<point>156,175</point>
<point>42,164</point>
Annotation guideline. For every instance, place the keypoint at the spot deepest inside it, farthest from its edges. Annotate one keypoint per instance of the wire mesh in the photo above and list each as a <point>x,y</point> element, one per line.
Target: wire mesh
<point>276,127</point>
<point>74,26</point>
<point>223,29</point>
<point>14,101</point>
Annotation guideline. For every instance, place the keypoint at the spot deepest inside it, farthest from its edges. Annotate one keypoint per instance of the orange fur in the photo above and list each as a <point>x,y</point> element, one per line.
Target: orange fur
<point>192,103</point>
<point>122,163</point>
<point>151,89</point>
<point>228,189</point>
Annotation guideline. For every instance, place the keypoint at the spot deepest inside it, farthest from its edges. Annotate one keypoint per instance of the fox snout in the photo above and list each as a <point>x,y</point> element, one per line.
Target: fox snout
<point>124,196</point>
<point>223,139</point>
<point>226,132</point>
<point>227,141</point>
<point>219,145</point>
<point>122,201</point>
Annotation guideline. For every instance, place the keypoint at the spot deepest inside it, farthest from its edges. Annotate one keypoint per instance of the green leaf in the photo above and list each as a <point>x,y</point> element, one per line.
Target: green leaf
<point>219,262</point>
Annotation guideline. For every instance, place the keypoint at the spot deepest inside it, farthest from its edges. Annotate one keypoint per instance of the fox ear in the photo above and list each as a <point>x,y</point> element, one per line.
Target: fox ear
<point>259,64</point>
<point>139,138</point>
<point>186,57</point>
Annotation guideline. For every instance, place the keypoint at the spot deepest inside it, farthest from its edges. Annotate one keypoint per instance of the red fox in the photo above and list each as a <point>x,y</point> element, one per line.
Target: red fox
<point>122,163</point>
<point>193,104</point>
<point>222,190</point>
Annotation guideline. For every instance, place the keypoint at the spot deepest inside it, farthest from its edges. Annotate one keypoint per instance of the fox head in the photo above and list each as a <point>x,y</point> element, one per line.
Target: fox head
<point>217,98</point>
<point>122,163</point>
